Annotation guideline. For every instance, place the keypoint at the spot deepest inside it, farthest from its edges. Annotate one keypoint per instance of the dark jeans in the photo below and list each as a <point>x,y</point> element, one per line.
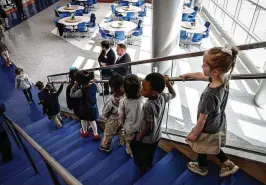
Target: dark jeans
<point>28,95</point>
<point>143,154</point>
<point>202,158</point>
<point>106,75</point>
<point>5,147</point>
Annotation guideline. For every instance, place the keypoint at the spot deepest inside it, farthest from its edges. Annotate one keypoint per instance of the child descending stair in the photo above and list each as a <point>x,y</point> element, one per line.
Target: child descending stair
<point>88,111</point>
<point>113,125</point>
<point>146,141</point>
<point>48,97</point>
<point>209,134</point>
<point>130,109</point>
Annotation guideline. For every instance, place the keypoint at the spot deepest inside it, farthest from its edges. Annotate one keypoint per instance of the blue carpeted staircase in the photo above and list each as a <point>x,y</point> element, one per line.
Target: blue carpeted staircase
<point>82,157</point>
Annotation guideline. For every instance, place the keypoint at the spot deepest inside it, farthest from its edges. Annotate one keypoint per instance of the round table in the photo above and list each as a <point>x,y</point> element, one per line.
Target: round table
<point>187,1</point>
<point>188,10</point>
<point>82,19</point>
<point>123,9</point>
<point>112,26</point>
<point>62,9</point>
<point>198,28</point>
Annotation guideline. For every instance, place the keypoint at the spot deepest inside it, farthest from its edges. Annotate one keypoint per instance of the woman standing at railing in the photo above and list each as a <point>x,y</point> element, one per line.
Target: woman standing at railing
<point>209,134</point>
<point>5,146</point>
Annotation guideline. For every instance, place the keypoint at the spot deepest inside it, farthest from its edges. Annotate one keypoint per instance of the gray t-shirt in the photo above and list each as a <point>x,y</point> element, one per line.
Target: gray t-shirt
<point>130,113</point>
<point>152,115</point>
<point>213,102</point>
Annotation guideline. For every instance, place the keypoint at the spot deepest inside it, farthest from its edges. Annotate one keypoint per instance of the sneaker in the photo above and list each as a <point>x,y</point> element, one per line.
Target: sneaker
<point>96,137</point>
<point>194,167</point>
<point>105,149</point>
<point>228,168</point>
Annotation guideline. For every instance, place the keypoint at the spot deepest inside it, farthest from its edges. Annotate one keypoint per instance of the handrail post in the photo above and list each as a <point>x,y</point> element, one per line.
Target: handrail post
<point>11,131</point>
<point>52,174</point>
<point>26,152</point>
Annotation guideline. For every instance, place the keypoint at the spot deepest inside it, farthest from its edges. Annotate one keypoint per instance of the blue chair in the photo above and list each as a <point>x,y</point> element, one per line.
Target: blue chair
<point>90,3</point>
<point>183,35</point>
<point>79,13</point>
<point>104,34</point>
<point>144,13</point>
<point>95,1</point>
<point>119,36</point>
<point>141,2</point>
<point>191,20</point>
<point>208,26</point>
<point>140,23</point>
<point>57,7</point>
<point>194,14</point>
<point>63,15</point>
<point>82,28</point>
<point>184,16</point>
<point>92,22</point>
<point>123,3</point>
<point>138,33</point>
<point>131,16</point>
<point>197,38</point>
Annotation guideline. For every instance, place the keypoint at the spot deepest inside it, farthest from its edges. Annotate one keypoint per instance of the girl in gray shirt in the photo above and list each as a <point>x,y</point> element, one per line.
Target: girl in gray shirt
<point>130,109</point>
<point>209,134</point>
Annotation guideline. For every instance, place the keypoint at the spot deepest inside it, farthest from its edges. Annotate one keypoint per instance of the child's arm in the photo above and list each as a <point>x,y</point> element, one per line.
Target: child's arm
<point>197,130</point>
<point>59,90</point>
<point>107,109</point>
<point>121,112</point>
<point>171,90</point>
<point>147,121</point>
<point>198,76</point>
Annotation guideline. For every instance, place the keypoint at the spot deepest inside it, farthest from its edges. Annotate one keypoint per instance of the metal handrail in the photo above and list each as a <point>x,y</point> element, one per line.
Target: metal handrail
<point>50,162</point>
<point>167,58</point>
<point>233,77</point>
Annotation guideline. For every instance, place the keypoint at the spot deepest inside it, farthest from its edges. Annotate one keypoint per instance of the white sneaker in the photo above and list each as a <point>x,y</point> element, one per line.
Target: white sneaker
<point>194,167</point>
<point>228,168</point>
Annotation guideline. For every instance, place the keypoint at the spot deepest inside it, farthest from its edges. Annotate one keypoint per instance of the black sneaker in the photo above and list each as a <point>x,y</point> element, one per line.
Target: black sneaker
<point>105,149</point>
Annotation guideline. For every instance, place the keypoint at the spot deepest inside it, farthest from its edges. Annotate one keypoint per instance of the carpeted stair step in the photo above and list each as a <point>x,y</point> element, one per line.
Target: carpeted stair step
<point>53,142</point>
<point>163,163</point>
<point>128,173</point>
<point>57,135</point>
<point>240,178</point>
<point>82,165</point>
<point>167,174</point>
<point>42,127</point>
<point>103,169</point>
<point>55,132</point>
<point>80,152</point>
<point>24,175</point>
<point>190,178</point>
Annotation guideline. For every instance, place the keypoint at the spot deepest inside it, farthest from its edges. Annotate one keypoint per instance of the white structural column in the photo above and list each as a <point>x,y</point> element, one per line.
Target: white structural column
<point>167,17</point>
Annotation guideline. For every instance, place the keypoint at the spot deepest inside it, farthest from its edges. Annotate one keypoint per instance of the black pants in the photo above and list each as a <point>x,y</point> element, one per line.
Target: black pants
<point>106,75</point>
<point>143,154</point>
<point>202,158</point>
<point>28,95</point>
<point>5,147</point>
